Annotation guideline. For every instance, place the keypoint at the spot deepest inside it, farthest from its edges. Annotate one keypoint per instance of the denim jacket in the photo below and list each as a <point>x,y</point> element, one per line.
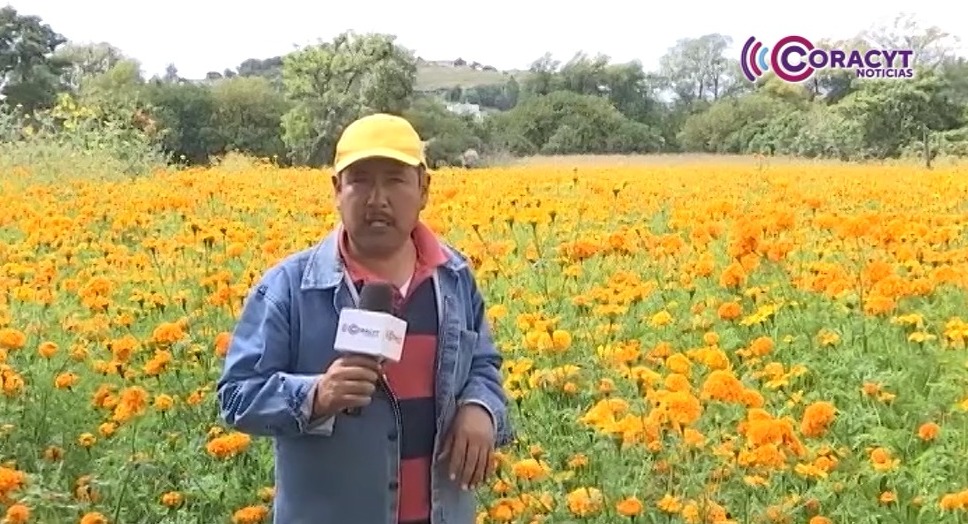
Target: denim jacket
<point>344,469</point>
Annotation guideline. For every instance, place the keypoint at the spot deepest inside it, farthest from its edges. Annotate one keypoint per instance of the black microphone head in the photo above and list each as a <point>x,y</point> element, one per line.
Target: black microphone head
<point>377,297</point>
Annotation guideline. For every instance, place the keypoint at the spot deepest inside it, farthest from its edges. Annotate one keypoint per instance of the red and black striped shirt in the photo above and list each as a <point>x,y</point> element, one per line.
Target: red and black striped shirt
<point>411,380</point>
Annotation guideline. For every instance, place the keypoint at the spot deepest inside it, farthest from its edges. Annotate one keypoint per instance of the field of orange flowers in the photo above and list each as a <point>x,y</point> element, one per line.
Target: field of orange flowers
<point>688,343</point>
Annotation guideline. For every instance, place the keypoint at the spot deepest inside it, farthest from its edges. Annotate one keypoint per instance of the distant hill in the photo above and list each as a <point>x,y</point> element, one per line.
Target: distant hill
<point>432,75</point>
<point>436,75</point>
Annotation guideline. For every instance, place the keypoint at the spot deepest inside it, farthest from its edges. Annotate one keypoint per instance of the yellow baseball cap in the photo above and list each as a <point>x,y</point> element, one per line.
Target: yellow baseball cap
<point>379,135</point>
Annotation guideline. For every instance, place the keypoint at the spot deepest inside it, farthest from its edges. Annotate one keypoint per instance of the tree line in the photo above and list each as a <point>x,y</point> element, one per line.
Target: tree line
<point>291,108</point>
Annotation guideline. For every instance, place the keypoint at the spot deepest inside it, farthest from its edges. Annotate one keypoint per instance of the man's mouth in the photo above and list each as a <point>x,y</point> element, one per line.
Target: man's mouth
<point>379,222</point>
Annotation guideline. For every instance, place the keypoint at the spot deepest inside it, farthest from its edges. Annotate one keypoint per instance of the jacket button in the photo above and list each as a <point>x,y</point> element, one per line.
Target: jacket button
<point>394,485</point>
<point>392,436</point>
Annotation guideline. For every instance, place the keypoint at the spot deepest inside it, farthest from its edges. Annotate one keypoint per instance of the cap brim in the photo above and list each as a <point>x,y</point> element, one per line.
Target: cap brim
<point>377,153</point>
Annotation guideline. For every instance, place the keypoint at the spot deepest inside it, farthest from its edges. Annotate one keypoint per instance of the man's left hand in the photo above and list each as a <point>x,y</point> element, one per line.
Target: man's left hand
<point>470,446</point>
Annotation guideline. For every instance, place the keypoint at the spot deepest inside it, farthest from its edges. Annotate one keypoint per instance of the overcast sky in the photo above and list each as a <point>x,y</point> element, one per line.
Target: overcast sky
<point>210,35</point>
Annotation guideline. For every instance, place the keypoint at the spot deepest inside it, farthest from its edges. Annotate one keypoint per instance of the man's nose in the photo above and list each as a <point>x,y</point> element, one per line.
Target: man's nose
<point>378,195</point>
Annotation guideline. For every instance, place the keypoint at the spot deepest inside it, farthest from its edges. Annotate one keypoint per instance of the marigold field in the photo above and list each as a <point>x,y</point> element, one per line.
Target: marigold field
<point>684,343</point>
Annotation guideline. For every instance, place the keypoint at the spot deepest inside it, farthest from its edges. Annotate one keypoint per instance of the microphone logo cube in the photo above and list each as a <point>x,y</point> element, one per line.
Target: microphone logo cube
<point>370,333</point>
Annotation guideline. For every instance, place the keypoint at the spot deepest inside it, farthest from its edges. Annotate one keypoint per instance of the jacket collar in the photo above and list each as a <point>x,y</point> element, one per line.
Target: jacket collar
<point>325,267</point>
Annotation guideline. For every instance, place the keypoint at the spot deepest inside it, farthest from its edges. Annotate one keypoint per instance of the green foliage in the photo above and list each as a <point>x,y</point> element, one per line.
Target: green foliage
<point>88,60</point>
<point>194,121</point>
<point>448,136</point>
<point>75,140</point>
<point>248,116</point>
<point>877,119</point>
<point>187,112</point>
<point>270,69</point>
<point>497,96</point>
<point>892,114</point>
<point>117,90</point>
<point>951,144</point>
<point>697,69</point>
<point>334,83</point>
<point>565,122</point>
<point>725,126</point>
<point>31,73</point>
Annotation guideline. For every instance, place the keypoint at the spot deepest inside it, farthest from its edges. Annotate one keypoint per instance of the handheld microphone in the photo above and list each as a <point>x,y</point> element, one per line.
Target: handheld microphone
<point>371,329</point>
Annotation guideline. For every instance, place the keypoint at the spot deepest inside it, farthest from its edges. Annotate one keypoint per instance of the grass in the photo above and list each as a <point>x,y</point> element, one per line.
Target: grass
<point>679,159</point>
<point>431,77</point>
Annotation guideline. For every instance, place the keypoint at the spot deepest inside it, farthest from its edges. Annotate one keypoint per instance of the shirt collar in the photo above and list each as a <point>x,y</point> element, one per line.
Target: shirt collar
<point>430,254</point>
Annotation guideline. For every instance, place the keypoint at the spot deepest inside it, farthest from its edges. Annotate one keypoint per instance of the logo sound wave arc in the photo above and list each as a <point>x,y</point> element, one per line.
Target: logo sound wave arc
<point>754,61</point>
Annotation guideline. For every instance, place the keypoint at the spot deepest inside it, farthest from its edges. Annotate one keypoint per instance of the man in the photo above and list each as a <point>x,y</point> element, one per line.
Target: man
<point>424,437</point>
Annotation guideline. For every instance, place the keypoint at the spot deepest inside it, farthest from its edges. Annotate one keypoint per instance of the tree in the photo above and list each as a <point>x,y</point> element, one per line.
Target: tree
<point>87,60</point>
<point>565,122</point>
<point>632,92</point>
<point>248,116</point>
<point>446,134</point>
<point>832,85</point>
<point>269,67</point>
<point>626,86</point>
<point>185,112</point>
<point>116,93</point>
<point>697,68</point>
<point>728,124</point>
<point>31,73</point>
<point>931,45</point>
<point>584,75</point>
<point>541,81</point>
<point>331,84</point>
<point>954,71</point>
<point>497,96</point>
<point>512,93</point>
<point>892,114</point>
<point>454,94</point>
<point>171,74</point>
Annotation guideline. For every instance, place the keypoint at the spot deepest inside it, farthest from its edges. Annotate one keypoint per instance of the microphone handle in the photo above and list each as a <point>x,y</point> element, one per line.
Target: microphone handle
<point>357,411</point>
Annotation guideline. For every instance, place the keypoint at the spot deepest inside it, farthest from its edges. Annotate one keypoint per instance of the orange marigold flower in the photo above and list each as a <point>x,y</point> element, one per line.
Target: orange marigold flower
<point>250,515</point>
<point>817,418</point>
<point>629,507</point>
<point>17,514</point>
<point>94,518</point>
<point>928,431</point>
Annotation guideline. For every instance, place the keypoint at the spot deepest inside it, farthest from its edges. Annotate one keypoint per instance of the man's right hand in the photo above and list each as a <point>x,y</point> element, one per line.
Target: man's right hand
<point>348,383</point>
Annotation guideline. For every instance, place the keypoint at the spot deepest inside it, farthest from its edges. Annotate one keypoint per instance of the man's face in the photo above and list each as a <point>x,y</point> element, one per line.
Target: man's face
<point>379,201</point>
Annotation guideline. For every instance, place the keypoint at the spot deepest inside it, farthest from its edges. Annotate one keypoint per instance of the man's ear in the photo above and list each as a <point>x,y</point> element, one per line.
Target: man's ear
<point>424,188</point>
<point>337,182</point>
